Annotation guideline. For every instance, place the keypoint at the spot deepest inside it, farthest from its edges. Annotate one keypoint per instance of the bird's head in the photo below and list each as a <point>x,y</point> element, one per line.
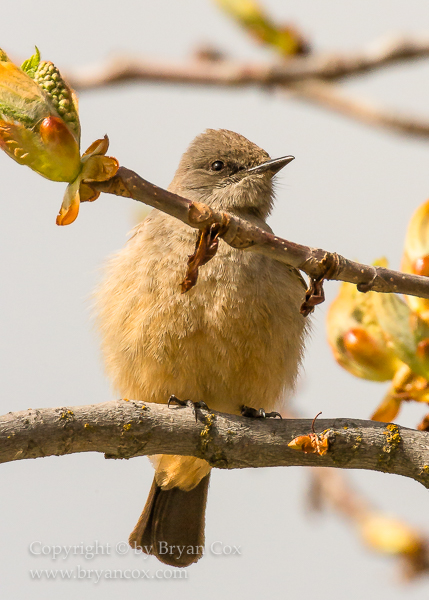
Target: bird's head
<point>227,171</point>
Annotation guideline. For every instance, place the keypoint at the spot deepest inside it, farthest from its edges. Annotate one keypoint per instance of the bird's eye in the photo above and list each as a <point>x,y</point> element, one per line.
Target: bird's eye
<point>218,165</point>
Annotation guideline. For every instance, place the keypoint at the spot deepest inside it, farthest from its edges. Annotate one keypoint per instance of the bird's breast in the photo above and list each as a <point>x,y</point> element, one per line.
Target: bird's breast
<point>235,338</point>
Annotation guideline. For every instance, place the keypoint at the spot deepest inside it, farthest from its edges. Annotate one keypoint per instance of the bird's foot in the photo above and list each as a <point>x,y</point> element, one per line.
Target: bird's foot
<point>194,406</point>
<point>315,294</point>
<point>253,413</point>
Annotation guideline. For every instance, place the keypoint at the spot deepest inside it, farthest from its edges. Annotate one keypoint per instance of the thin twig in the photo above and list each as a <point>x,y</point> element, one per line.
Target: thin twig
<point>331,97</point>
<point>240,234</point>
<point>306,77</point>
<point>331,487</point>
<point>226,72</point>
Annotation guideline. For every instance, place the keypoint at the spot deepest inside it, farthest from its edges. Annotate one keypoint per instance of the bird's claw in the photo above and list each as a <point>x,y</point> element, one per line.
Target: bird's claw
<point>315,294</point>
<point>253,413</point>
<point>188,403</point>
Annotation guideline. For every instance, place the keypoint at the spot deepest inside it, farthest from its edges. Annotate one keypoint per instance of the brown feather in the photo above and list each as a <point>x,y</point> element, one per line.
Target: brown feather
<point>171,525</point>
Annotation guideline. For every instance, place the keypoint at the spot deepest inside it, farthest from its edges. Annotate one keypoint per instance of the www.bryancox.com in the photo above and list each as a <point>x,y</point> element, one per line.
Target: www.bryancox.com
<point>95,575</point>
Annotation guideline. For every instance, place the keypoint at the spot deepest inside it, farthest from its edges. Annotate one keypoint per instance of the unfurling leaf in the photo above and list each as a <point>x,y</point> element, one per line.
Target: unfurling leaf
<point>388,410</point>
<point>285,39</point>
<point>30,65</point>
<point>405,331</point>
<point>39,128</point>
<point>405,386</point>
<point>32,131</point>
<point>356,337</point>
<point>378,336</point>
<point>95,167</point>
<point>415,259</point>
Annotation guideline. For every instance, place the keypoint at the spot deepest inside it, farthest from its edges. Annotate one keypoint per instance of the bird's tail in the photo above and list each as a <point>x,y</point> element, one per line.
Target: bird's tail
<point>171,525</point>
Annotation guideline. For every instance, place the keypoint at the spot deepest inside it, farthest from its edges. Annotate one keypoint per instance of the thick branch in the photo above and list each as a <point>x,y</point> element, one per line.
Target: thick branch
<point>233,73</point>
<point>125,429</point>
<point>240,234</point>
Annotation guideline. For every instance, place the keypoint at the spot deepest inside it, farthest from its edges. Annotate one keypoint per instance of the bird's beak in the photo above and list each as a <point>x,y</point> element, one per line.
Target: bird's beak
<point>271,166</point>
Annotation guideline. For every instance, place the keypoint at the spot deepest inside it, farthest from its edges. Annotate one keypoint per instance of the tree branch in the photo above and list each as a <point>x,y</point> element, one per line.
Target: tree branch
<point>306,77</point>
<point>232,73</point>
<point>125,429</point>
<point>240,234</point>
<point>331,97</point>
<point>380,531</point>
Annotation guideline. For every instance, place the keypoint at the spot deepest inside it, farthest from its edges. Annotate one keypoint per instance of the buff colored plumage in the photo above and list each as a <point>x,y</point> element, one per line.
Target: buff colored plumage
<point>235,339</point>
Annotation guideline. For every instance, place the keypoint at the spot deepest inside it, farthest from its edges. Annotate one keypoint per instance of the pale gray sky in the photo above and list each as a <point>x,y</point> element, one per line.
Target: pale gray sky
<point>351,190</point>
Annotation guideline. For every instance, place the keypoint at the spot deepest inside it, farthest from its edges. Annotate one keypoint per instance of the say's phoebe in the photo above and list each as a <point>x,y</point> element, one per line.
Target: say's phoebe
<point>234,339</point>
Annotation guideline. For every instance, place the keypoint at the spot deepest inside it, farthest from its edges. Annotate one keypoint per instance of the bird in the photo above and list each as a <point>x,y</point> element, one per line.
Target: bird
<point>236,338</point>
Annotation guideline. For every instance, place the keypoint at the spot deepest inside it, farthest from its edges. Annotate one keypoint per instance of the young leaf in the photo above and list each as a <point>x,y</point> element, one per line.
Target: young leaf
<point>30,65</point>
